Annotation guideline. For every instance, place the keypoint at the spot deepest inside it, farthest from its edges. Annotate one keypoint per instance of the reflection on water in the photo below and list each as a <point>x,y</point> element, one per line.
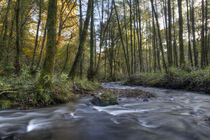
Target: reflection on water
<point>178,115</point>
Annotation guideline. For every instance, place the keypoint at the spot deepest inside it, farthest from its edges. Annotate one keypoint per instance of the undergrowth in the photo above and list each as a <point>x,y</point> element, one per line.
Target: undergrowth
<point>196,80</point>
<point>22,91</point>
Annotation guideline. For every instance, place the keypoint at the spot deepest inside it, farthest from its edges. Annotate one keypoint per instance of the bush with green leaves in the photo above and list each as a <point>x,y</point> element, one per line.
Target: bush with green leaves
<point>195,80</point>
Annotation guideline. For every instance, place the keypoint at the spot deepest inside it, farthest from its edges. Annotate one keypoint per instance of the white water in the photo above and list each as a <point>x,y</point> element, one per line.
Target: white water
<point>174,115</point>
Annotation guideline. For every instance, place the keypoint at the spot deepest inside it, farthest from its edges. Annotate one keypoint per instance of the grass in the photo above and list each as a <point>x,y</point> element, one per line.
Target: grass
<point>197,80</point>
<point>21,92</point>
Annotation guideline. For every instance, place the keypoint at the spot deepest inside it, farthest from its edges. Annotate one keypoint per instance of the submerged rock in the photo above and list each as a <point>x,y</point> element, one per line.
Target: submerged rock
<point>145,100</point>
<point>69,115</point>
<point>105,100</point>
<point>207,119</point>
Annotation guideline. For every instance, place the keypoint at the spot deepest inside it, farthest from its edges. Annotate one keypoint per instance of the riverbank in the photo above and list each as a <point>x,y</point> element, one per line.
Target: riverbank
<point>179,115</point>
<point>22,92</point>
<point>198,80</point>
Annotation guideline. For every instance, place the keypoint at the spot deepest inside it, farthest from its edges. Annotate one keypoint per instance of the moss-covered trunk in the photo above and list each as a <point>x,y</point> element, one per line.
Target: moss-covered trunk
<point>47,71</point>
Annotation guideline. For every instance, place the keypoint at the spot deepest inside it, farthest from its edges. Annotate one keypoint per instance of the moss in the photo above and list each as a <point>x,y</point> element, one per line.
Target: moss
<point>105,100</point>
<point>5,104</point>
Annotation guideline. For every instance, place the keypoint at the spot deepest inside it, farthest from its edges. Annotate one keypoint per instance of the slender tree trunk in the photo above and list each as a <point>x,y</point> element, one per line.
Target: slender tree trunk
<point>4,44</point>
<point>140,38</point>
<point>170,60</point>
<point>206,33</point>
<point>154,43</point>
<point>159,35</point>
<point>37,34</point>
<point>67,58</point>
<point>91,71</point>
<point>78,58</point>
<point>193,34</point>
<point>102,34</point>
<point>17,57</point>
<point>181,45</point>
<point>134,41</point>
<point>131,36</point>
<point>203,60</point>
<point>80,34</point>
<point>174,41</point>
<point>166,30</point>
<point>10,40</point>
<point>189,33</point>
<point>42,48</point>
<point>126,34</point>
<point>121,38</point>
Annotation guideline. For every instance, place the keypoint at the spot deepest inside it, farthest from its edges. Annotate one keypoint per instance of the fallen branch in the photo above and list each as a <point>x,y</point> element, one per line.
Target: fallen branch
<point>3,92</point>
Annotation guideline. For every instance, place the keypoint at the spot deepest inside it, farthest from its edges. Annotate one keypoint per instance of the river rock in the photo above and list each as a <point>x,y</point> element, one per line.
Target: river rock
<point>145,100</point>
<point>105,100</point>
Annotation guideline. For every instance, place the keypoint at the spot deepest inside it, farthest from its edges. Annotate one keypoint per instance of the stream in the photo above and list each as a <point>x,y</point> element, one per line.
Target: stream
<point>173,114</point>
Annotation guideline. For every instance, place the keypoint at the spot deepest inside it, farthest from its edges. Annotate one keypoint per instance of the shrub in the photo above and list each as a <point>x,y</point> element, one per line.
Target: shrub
<point>197,80</point>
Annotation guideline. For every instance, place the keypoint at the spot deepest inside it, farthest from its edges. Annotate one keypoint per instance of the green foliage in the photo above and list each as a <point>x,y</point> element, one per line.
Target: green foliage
<point>105,100</point>
<point>5,104</point>
<point>197,80</point>
<point>86,85</point>
<point>42,97</point>
<point>29,93</point>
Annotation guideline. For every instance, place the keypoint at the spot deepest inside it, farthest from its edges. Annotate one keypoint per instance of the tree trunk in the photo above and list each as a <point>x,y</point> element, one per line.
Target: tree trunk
<point>189,33</point>
<point>78,58</point>
<point>37,34</point>
<point>181,45</point>
<point>159,35</point>
<point>48,66</point>
<point>193,34</point>
<point>42,48</point>
<point>131,36</point>
<point>140,38</point>
<point>67,58</point>
<point>206,32</point>
<point>17,57</point>
<point>154,43</point>
<point>174,41</point>
<point>121,38</point>
<point>170,60</point>
<point>80,34</point>
<point>4,44</point>
<point>91,71</point>
<point>203,60</point>
<point>126,34</point>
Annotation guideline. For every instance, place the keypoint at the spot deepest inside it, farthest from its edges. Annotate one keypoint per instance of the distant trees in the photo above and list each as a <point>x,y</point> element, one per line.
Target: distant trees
<point>109,39</point>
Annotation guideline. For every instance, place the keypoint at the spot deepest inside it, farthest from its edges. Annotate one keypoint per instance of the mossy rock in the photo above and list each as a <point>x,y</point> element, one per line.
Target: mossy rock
<point>105,100</point>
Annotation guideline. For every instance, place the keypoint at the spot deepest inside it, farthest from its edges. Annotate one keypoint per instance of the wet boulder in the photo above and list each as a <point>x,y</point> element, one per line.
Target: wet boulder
<point>207,119</point>
<point>105,100</point>
<point>145,100</point>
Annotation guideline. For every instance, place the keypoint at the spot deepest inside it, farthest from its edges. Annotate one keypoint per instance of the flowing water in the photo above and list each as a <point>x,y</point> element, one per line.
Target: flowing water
<point>173,115</point>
